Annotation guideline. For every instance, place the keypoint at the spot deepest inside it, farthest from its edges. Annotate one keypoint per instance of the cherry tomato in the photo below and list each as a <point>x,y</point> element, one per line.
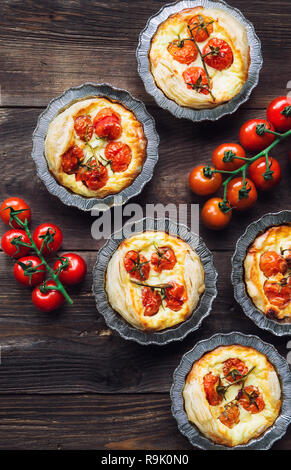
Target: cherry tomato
<point>183,51</point>
<point>212,215</point>
<point>54,240</point>
<point>271,263</point>
<point>163,258</point>
<point>35,271</point>
<point>48,301</point>
<point>107,112</point>
<point>175,296</point>
<point>265,180</point>
<point>107,127</point>
<point>210,383</point>
<point>201,27</point>
<point>230,416</point>
<point>278,293</point>
<point>250,138</point>
<point>224,157</point>
<point>119,154</point>
<point>137,265</point>
<point>72,159</point>
<point>94,177</point>
<point>83,127</point>
<point>196,79</point>
<point>202,184</point>
<point>151,300</point>
<point>279,113</point>
<point>75,272</point>
<point>235,193</point>
<point>234,369</point>
<point>17,204</point>
<point>251,399</point>
<point>15,251</point>
<point>218,54</point>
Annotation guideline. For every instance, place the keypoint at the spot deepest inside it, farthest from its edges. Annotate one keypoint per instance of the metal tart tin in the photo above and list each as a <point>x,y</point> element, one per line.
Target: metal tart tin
<point>142,54</point>
<point>179,332</point>
<point>278,327</point>
<point>197,439</point>
<point>56,106</point>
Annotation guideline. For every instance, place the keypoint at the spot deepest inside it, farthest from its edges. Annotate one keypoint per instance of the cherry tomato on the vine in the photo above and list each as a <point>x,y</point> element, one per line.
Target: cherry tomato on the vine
<point>16,203</point>
<point>13,249</point>
<point>201,27</point>
<point>76,270</point>
<point>119,154</point>
<point>151,300</point>
<point>263,178</point>
<point>218,54</point>
<point>34,269</point>
<point>213,216</point>
<point>279,113</point>
<point>224,157</point>
<point>253,137</point>
<point>239,197</point>
<point>47,301</point>
<point>50,232</point>
<point>183,51</point>
<point>202,182</point>
<point>196,79</point>
<point>83,127</point>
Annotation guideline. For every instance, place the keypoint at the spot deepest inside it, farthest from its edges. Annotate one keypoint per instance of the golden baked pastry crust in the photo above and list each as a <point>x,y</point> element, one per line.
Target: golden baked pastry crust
<point>61,136</point>
<point>275,239</point>
<point>167,72</point>
<point>206,417</point>
<point>125,296</point>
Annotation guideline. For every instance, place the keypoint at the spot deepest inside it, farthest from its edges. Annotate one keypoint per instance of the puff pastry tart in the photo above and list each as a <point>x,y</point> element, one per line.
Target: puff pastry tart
<point>232,394</point>
<point>154,280</point>
<point>95,147</point>
<point>268,272</point>
<point>177,65</point>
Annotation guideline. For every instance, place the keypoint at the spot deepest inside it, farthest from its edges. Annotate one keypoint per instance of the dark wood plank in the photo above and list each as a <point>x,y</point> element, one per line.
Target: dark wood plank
<point>93,422</point>
<point>182,147</point>
<point>67,43</point>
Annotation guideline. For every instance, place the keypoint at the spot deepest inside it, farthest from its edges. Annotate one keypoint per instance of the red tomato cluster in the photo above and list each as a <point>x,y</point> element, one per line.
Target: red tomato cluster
<point>229,159</point>
<point>31,269</point>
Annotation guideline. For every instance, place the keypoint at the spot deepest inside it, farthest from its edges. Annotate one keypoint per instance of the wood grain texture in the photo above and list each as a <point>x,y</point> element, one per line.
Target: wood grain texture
<point>67,381</point>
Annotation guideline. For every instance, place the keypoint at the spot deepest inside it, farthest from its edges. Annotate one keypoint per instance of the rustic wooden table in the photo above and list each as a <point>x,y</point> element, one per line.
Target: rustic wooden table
<point>66,381</point>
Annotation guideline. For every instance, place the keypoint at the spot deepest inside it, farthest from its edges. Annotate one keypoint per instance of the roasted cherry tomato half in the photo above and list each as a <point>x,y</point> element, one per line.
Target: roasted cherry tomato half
<point>213,216</point>
<point>137,265</point>
<point>72,159</point>
<point>265,178</point>
<point>253,137</point>
<point>17,204</point>
<point>195,78</point>
<point>107,124</point>
<point>47,301</point>
<point>234,369</point>
<point>10,246</point>
<point>271,263</point>
<point>175,296</point>
<point>226,157</point>
<point>278,292</point>
<point>201,27</point>
<point>202,182</point>
<point>163,258</point>
<point>94,176</point>
<point>230,416</point>
<point>239,197</point>
<point>107,112</point>
<point>74,270</point>
<point>218,54</point>
<point>210,383</point>
<point>151,300</point>
<point>32,274</point>
<point>279,113</point>
<point>184,51</point>
<point>83,127</point>
<point>49,236</point>
<point>119,154</point>
<point>251,399</point>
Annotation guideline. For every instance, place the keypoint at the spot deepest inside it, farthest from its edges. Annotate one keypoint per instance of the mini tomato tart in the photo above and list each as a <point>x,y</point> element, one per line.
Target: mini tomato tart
<point>95,147</point>
<point>154,280</point>
<point>176,53</point>
<point>267,267</point>
<point>232,394</point>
